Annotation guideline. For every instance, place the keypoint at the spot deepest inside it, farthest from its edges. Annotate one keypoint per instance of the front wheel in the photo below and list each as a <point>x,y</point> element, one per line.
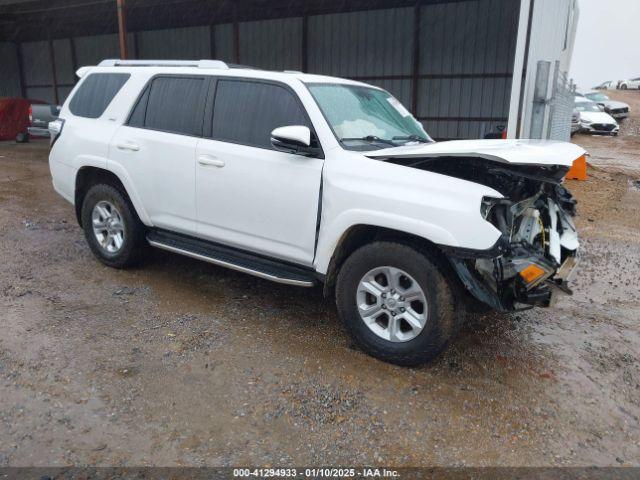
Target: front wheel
<point>396,303</point>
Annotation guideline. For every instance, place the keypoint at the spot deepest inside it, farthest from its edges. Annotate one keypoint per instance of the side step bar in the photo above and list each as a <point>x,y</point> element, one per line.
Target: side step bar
<point>224,256</point>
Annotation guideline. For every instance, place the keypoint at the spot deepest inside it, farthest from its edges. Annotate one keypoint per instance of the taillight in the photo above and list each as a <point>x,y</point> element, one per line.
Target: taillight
<point>55,129</point>
<point>30,114</point>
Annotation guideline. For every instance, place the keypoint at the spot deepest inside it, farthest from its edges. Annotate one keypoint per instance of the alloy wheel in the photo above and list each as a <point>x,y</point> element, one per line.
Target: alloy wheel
<point>108,227</point>
<point>392,304</point>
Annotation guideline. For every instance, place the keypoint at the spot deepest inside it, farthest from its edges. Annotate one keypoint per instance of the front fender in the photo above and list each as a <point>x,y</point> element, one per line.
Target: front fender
<point>331,236</point>
<point>438,208</point>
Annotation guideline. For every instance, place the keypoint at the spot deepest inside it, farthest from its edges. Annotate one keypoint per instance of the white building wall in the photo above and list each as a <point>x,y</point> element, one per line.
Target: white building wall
<point>552,38</point>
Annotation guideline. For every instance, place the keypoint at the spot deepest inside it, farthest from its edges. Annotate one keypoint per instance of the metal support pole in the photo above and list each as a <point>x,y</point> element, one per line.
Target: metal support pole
<point>122,28</point>
<point>236,34</point>
<point>23,84</point>
<point>54,73</point>
<point>236,42</point>
<point>212,41</point>
<point>305,44</point>
<point>136,45</point>
<point>540,100</point>
<point>415,69</point>
<point>74,56</point>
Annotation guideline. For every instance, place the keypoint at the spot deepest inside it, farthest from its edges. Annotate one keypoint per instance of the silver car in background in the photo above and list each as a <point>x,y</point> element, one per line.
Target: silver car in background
<point>618,110</point>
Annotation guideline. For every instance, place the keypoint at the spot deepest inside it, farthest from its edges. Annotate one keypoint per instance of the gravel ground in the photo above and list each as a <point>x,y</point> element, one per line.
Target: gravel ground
<point>182,363</point>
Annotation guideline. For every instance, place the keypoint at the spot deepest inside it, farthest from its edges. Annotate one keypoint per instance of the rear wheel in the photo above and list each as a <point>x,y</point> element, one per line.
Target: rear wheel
<point>111,227</point>
<point>623,87</point>
<point>396,303</point>
<point>22,137</point>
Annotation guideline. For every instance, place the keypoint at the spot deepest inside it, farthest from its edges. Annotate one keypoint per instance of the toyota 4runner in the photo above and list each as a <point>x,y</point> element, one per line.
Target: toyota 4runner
<point>309,180</point>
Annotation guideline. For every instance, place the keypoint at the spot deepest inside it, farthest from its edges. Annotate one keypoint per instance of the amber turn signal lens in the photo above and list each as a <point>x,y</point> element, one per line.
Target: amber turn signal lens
<point>532,273</point>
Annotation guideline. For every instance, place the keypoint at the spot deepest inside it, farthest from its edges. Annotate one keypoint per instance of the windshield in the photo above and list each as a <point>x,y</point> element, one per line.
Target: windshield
<point>597,97</point>
<point>365,118</point>
<point>587,107</point>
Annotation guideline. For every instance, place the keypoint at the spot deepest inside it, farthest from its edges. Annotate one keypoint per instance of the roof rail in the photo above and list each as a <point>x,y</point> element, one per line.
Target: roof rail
<point>219,64</point>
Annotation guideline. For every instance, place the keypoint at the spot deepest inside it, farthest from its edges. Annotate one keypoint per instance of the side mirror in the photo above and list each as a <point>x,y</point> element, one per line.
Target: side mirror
<point>292,139</point>
<point>601,107</point>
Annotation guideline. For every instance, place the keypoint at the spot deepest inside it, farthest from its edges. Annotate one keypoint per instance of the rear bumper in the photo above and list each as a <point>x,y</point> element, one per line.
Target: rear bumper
<point>38,131</point>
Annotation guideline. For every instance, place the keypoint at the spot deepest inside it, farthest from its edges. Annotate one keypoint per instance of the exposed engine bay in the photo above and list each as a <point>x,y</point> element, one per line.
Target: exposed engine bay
<point>538,248</point>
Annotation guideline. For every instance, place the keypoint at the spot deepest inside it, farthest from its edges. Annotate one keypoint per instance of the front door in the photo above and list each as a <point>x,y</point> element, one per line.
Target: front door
<point>249,195</point>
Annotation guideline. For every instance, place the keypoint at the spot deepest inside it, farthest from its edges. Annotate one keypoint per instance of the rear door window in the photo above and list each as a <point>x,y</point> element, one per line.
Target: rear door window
<point>95,94</point>
<point>246,112</point>
<point>172,104</point>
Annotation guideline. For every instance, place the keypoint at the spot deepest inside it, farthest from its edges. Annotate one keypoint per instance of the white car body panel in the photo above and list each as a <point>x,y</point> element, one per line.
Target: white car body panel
<point>519,152</point>
<point>260,200</point>
<point>634,83</point>
<point>611,85</point>
<point>269,203</point>
<point>159,156</point>
<point>361,191</point>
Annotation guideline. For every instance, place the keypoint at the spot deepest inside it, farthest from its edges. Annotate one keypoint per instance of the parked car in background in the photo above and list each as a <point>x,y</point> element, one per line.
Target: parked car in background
<point>575,122</point>
<point>618,110</point>
<point>21,118</point>
<point>404,232</point>
<point>594,120</point>
<point>40,114</point>
<point>610,85</point>
<point>632,84</point>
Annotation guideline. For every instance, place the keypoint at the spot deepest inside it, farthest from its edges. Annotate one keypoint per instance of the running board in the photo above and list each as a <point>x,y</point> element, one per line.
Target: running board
<point>259,266</point>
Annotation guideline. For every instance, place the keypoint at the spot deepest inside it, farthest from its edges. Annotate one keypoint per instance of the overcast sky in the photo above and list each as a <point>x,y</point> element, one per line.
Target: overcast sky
<point>607,43</point>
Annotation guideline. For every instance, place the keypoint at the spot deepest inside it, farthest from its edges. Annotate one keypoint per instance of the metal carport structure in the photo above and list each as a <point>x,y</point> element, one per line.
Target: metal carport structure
<point>464,67</point>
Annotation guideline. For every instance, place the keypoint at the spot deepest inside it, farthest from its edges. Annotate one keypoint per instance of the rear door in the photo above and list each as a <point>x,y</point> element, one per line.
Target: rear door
<point>249,195</point>
<point>157,148</point>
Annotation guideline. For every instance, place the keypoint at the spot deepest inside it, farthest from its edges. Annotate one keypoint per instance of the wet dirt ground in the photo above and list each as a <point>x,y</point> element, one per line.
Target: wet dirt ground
<point>182,363</point>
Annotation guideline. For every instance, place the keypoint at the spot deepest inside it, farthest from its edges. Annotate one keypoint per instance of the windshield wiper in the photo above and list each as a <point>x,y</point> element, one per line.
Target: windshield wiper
<point>415,138</point>
<point>372,139</point>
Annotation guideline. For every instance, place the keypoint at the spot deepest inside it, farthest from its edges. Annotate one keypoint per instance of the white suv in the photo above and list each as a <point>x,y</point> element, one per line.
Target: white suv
<point>307,180</point>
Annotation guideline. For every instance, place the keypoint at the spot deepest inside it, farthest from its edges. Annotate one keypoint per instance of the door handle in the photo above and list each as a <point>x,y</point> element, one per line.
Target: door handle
<point>132,147</point>
<point>210,161</point>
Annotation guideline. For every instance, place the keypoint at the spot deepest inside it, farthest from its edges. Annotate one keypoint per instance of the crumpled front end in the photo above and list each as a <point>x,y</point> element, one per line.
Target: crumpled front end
<point>535,257</point>
<point>538,248</point>
<point>538,251</point>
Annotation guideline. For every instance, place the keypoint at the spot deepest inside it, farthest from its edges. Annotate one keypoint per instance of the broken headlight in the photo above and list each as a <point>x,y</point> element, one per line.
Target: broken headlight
<point>496,212</point>
<point>487,204</point>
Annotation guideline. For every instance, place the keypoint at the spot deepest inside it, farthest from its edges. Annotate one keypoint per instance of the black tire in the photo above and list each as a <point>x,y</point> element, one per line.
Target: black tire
<point>442,318</point>
<point>131,251</point>
<point>623,87</point>
<point>22,137</point>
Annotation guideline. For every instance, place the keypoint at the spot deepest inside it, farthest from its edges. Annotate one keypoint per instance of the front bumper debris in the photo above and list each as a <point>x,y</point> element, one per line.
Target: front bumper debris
<point>511,291</point>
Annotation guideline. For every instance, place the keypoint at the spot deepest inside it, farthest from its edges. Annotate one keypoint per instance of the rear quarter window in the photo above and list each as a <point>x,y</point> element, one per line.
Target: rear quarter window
<point>96,93</point>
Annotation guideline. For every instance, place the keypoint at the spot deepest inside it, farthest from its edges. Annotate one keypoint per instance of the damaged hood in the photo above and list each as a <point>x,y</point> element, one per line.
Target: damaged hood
<point>517,152</point>
<point>598,117</point>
